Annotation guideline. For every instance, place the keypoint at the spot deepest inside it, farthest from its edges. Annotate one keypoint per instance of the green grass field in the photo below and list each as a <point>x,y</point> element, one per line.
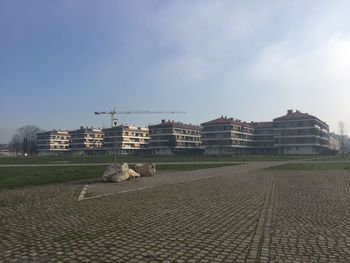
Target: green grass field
<point>135,159</point>
<point>14,177</point>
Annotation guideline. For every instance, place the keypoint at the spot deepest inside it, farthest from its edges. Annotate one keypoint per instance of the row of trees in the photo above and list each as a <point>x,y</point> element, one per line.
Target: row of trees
<point>24,140</point>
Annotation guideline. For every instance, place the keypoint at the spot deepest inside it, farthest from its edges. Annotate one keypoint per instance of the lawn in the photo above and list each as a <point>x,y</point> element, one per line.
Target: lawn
<point>150,158</point>
<point>13,177</point>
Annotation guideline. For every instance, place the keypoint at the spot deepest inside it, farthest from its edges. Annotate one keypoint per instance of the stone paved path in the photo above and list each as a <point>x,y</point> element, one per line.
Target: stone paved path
<point>240,215</point>
<point>98,189</point>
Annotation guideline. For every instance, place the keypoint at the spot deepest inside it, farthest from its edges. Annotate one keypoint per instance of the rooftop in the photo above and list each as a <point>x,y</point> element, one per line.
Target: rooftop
<point>174,124</point>
<point>297,115</point>
<point>262,125</point>
<point>224,120</point>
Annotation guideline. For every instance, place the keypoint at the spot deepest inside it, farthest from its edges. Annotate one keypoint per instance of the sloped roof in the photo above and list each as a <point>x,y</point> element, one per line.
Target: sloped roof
<point>225,120</point>
<point>174,124</point>
<point>297,115</point>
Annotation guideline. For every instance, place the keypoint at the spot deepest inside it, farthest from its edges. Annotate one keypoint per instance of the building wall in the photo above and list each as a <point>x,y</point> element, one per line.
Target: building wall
<point>264,139</point>
<point>129,139</point>
<point>86,140</point>
<point>301,135</point>
<point>300,150</point>
<point>294,133</point>
<point>175,138</point>
<point>227,136</point>
<point>53,142</point>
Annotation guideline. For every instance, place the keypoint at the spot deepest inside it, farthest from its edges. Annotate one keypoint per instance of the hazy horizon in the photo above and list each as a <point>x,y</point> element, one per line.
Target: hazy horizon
<point>251,60</point>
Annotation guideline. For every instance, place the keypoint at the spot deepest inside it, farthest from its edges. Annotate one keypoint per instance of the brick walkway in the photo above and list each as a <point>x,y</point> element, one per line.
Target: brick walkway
<point>247,215</point>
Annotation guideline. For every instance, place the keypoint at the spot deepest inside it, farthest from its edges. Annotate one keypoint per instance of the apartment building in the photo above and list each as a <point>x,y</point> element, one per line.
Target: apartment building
<point>170,137</point>
<point>300,133</point>
<point>227,136</point>
<point>4,150</point>
<point>53,142</point>
<point>86,141</point>
<point>129,139</point>
<point>263,138</point>
<point>293,133</point>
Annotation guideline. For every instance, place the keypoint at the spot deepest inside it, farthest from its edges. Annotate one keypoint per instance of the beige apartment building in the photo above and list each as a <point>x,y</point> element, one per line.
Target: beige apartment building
<point>300,133</point>
<point>86,141</point>
<point>227,136</point>
<point>53,142</point>
<point>129,139</point>
<point>170,137</point>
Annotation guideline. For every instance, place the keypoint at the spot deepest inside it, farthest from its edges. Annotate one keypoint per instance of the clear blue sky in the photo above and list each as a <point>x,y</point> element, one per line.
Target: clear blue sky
<point>62,60</point>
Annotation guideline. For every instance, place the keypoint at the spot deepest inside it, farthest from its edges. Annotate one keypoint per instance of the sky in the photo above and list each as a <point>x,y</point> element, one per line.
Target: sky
<point>60,61</point>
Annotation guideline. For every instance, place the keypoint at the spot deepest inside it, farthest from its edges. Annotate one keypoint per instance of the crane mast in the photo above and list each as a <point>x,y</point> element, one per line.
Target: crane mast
<point>112,113</point>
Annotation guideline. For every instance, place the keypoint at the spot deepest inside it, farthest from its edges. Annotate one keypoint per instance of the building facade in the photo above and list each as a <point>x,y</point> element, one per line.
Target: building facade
<point>170,137</point>
<point>85,141</point>
<point>264,138</point>
<point>53,142</point>
<point>300,133</point>
<point>227,136</point>
<point>128,139</point>
<point>293,133</point>
<point>4,150</point>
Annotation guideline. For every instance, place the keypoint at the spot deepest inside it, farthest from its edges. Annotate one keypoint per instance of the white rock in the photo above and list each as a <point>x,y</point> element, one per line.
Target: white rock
<point>145,169</point>
<point>116,173</point>
<point>132,173</point>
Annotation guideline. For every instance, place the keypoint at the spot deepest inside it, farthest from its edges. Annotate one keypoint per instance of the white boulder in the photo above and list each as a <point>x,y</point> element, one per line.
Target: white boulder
<point>132,173</point>
<point>116,173</point>
<point>145,169</point>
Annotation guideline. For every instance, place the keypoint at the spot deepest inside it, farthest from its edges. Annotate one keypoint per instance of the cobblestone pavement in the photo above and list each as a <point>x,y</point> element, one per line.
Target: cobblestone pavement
<point>249,216</point>
<point>96,189</point>
<point>310,217</point>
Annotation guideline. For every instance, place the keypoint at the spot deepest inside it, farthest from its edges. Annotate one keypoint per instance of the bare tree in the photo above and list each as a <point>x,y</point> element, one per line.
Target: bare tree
<point>342,137</point>
<point>15,145</point>
<point>24,140</point>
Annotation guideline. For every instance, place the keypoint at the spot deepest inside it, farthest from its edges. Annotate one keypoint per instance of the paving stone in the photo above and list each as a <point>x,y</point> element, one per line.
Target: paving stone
<point>272,216</point>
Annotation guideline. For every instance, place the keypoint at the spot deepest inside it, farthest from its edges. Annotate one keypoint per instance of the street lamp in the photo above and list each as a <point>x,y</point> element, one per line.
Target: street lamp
<point>115,140</point>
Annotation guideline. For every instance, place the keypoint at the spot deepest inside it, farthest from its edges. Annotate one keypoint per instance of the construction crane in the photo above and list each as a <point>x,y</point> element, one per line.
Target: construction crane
<point>114,112</point>
<point>114,121</point>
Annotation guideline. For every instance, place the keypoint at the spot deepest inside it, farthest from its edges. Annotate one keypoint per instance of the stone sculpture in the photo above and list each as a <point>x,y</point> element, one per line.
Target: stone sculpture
<point>116,173</point>
<point>145,169</point>
<point>132,173</point>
